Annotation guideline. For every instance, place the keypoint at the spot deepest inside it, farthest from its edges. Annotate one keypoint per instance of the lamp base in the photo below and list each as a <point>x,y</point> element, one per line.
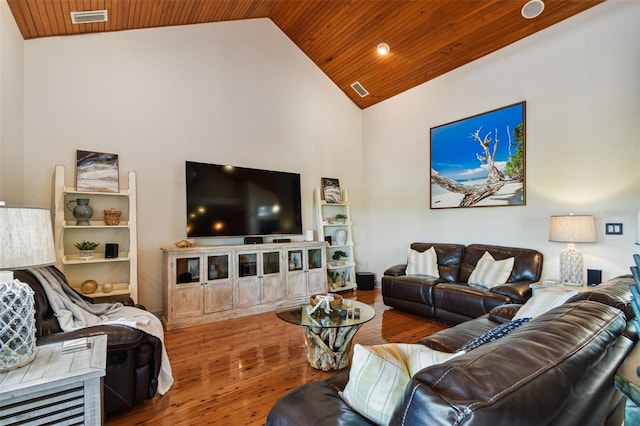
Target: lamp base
<point>571,266</point>
<point>17,325</point>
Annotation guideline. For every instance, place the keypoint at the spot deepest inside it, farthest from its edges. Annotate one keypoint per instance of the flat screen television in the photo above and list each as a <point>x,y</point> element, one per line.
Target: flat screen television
<point>227,201</point>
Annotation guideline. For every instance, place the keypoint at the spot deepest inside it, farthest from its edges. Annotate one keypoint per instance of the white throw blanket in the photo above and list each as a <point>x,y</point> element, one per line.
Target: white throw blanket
<point>73,313</point>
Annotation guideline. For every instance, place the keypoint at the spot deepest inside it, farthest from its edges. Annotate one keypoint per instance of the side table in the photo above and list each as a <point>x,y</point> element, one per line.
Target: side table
<point>57,387</point>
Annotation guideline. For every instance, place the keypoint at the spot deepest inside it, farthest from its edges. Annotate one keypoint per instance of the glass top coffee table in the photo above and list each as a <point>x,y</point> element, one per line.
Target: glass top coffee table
<point>327,336</point>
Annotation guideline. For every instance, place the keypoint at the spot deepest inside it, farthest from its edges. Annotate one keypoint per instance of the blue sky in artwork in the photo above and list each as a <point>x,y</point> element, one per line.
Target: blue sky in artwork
<point>453,149</point>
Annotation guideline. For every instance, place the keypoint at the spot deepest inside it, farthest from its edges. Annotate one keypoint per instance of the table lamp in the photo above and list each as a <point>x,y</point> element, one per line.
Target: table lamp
<point>26,240</point>
<point>572,229</point>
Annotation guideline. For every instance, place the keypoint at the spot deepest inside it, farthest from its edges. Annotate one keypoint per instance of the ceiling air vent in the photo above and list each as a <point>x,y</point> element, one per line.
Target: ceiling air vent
<point>360,90</point>
<point>89,16</point>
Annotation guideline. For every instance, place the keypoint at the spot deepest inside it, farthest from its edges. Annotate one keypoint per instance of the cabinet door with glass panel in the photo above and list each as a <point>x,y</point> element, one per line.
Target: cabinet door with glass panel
<point>260,277</point>
<point>316,276</point>
<point>218,293</point>
<point>187,292</point>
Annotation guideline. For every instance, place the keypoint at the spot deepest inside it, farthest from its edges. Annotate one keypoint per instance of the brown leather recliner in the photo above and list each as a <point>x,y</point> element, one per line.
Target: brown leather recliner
<point>133,356</point>
<point>450,298</point>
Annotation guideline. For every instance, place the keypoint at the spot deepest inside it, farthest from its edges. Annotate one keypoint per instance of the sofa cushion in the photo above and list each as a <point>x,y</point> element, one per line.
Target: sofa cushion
<point>451,339</point>
<point>422,263</point>
<point>527,265</point>
<point>614,292</point>
<point>449,258</point>
<point>379,375</point>
<point>544,300</point>
<point>489,272</point>
<point>465,301</point>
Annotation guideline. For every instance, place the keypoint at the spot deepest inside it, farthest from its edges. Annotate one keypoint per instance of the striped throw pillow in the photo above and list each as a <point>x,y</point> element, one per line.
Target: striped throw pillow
<point>379,375</point>
<point>423,263</point>
<point>489,272</point>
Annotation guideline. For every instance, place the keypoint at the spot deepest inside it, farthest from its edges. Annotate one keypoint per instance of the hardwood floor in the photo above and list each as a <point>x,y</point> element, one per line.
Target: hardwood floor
<point>232,372</point>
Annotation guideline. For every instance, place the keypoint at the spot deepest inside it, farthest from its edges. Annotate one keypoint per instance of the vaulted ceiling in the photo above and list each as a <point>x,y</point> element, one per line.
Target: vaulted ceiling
<point>427,37</point>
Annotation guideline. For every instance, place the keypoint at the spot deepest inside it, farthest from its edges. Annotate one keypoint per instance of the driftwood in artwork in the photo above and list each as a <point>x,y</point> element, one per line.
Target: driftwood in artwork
<point>328,347</point>
<point>495,179</point>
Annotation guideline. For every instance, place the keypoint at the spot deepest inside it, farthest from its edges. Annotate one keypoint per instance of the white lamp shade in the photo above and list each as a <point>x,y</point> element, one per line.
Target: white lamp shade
<point>26,237</point>
<point>572,229</point>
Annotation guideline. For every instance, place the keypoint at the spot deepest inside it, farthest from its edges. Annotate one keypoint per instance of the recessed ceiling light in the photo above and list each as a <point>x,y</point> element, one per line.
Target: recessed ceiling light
<point>383,48</point>
<point>532,9</point>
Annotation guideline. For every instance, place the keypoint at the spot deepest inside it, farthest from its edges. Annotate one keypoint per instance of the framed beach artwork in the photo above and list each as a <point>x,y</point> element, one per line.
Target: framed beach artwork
<point>479,161</point>
<point>96,172</point>
<point>331,190</point>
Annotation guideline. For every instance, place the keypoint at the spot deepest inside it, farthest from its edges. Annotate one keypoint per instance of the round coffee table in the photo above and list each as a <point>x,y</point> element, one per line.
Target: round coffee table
<point>327,335</point>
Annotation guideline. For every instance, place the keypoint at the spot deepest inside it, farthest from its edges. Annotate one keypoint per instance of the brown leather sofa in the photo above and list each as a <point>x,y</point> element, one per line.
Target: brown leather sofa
<point>449,298</point>
<point>133,356</point>
<point>557,369</point>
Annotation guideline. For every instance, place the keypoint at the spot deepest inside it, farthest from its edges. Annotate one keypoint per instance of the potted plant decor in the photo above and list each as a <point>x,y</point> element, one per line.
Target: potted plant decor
<point>86,249</point>
<point>340,218</point>
<point>333,277</point>
<point>337,257</point>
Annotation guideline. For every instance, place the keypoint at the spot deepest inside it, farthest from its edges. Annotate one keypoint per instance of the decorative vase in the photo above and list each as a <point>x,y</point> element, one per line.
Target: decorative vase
<point>82,211</point>
<point>341,237</point>
<point>107,288</point>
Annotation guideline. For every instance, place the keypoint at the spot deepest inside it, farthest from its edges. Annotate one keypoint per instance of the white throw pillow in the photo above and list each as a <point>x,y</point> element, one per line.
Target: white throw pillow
<point>489,272</point>
<point>423,263</point>
<point>379,375</point>
<point>544,300</point>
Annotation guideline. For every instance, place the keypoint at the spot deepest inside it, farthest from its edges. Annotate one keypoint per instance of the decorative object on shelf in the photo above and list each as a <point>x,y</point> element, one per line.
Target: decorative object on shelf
<point>572,229</point>
<point>89,286</point>
<point>97,172</point>
<point>82,211</point>
<point>86,249</point>
<point>112,217</point>
<point>309,235</point>
<point>111,250</point>
<point>338,255</point>
<point>345,196</point>
<point>107,288</point>
<point>333,277</point>
<point>340,218</point>
<point>462,143</point>
<point>341,237</point>
<point>184,244</point>
<point>331,190</point>
<point>27,241</point>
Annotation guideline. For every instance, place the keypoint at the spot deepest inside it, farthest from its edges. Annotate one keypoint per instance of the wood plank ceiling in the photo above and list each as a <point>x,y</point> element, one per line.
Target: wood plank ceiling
<point>427,37</point>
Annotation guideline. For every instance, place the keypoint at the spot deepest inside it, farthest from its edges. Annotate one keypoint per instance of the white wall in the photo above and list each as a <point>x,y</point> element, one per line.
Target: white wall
<point>11,107</point>
<point>237,93</point>
<point>580,81</point>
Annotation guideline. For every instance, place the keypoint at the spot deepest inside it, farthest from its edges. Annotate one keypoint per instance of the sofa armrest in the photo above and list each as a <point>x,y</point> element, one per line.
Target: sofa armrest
<point>518,291</point>
<point>118,336</point>
<point>396,270</point>
<point>504,313</point>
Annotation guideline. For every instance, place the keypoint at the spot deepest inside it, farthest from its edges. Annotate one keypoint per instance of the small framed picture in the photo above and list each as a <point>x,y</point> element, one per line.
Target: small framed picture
<point>331,190</point>
<point>97,172</point>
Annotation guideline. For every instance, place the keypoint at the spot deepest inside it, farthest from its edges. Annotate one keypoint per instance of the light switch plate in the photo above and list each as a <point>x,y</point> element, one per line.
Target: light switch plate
<point>613,229</point>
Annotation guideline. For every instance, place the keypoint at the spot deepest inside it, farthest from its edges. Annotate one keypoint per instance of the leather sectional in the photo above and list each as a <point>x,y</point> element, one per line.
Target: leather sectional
<point>557,369</point>
<point>450,298</point>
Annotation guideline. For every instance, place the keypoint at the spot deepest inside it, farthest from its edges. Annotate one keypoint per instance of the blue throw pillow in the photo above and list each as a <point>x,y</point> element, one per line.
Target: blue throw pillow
<point>493,334</point>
